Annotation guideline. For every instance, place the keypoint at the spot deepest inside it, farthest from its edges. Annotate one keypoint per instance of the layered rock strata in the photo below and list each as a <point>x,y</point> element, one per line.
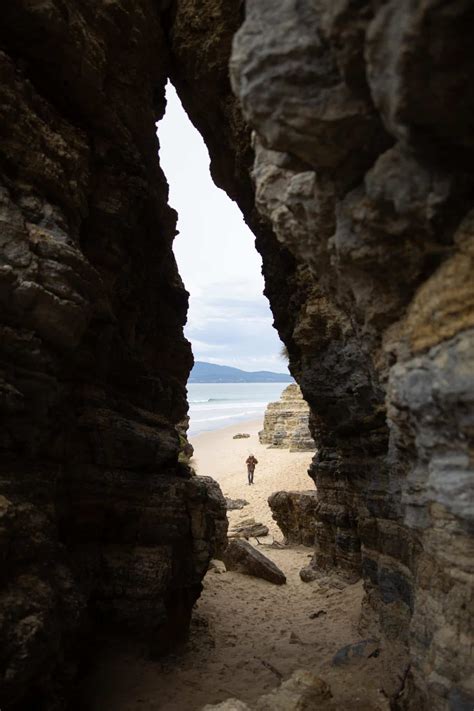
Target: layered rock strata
<point>296,515</point>
<point>364,140</point>
<point>248,528</point>
<point>286,422</point>
<point>98,521</point>
<point>362,209</point>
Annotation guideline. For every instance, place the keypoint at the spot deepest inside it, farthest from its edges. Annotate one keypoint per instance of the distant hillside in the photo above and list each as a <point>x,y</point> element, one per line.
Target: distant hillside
<point>211,373</point>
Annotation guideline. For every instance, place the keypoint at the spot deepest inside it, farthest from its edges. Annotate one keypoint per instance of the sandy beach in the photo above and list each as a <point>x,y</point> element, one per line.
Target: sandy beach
<point>248,635</point>
<point>218,455</point>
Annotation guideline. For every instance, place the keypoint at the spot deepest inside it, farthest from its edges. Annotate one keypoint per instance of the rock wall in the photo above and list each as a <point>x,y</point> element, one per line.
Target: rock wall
<point>296,513</point>
<point>286,422</point>
<point>97,519</point>
<point>364,141</point>
<point>360,197</point>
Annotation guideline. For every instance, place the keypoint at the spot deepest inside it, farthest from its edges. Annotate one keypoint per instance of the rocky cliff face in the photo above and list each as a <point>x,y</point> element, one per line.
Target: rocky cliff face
<point>285,424</point>
<point>97,519</point>
<point>361,202</point>
<point>366,177</point>
<point>296,513</point>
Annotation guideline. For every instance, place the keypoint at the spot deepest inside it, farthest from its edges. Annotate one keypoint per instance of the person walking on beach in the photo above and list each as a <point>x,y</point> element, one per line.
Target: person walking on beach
<point>251,462</point>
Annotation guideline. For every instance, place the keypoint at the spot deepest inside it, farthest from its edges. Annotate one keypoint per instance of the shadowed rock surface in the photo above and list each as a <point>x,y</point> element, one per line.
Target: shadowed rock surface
<point>358,186</point>
<point>296,514</point>
<point>309,573</point>
<point>366,177</point>
<point>99,521</point>
<point>286,422</point>
<point>241,557</point>
<point>352,653</point>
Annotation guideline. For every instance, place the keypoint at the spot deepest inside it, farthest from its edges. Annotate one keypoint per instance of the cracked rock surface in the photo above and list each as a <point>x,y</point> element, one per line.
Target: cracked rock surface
<point>286,422</point>
<point>98,521</point>
<point>366,178</point>
<point>358,186</point>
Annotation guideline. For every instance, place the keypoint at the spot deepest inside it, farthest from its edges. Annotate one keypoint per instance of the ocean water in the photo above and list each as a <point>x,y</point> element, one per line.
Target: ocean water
<point>216,405</point>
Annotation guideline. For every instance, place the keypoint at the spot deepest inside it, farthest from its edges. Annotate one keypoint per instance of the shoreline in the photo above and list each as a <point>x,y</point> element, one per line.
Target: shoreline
<point>243,426</point>
<point>221,405</point>
<point>218,455</point>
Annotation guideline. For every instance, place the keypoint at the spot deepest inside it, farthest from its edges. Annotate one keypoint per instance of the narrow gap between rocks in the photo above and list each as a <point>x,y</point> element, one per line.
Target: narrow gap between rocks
<point>247,635</point>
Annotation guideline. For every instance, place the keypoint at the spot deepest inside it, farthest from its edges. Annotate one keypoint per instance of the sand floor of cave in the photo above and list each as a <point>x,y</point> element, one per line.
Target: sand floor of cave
<point>246,634</point>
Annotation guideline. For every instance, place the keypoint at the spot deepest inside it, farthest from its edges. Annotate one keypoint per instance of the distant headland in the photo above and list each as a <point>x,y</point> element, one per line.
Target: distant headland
<point>212,373</point>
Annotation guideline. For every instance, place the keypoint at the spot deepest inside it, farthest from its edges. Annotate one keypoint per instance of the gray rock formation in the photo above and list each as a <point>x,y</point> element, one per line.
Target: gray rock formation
<point>235,504</point>
<point>241,557</point>
<point>359,189</point>
<point>356,651</point>
<point>248,528</point>
<point>286,422</point>
<point>308,574</point>
<point>296,515</point>
<point>366,177</point>
<point>98,520</point>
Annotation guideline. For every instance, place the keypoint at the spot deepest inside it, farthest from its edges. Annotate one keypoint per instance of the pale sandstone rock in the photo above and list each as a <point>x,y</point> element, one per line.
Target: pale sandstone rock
<point>303,691</point>
<point>228,705</point>
<point>285,423</point>
<point>217,566</point>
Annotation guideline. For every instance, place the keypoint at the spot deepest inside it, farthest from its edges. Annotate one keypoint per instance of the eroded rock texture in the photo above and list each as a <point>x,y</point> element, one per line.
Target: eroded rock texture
<point>364,138</point>
<point>286,422</point>
<point>97,519</point>
<point>242,557</point>
<point>359,190</point>
<point>296,515</point>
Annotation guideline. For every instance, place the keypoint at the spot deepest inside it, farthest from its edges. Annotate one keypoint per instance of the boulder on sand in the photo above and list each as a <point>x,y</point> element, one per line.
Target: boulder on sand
<point>308,574</point>
<point>296,515</point>
<point>235,504</point>
<point>249,528</point>
<point>241,557</point>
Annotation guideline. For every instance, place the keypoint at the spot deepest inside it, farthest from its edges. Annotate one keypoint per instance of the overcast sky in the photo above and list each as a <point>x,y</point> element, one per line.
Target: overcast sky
<point>229,320</point>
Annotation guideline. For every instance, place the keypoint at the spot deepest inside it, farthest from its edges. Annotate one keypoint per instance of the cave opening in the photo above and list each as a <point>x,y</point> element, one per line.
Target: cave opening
<point>229,322</point>
<point>345,162</point>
